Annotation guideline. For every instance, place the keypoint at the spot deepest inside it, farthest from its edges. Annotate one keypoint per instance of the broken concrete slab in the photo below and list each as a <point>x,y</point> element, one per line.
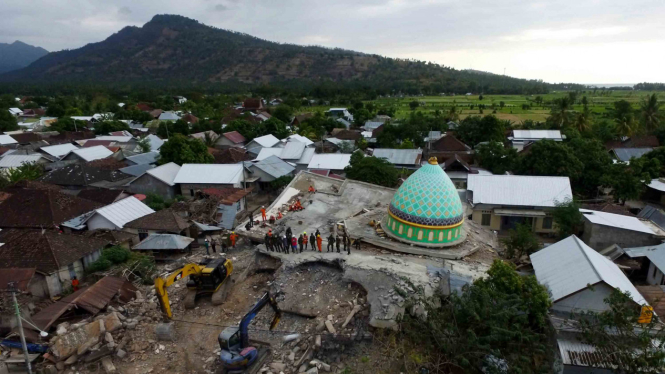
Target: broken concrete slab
<point>330,327</point>
<point>69,343</point>
<point>355,310</point>
<point>107,363</point>
<point>112,322</point>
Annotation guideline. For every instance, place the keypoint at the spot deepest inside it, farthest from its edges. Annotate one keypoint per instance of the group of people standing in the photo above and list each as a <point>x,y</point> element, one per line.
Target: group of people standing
<point>288,242</point>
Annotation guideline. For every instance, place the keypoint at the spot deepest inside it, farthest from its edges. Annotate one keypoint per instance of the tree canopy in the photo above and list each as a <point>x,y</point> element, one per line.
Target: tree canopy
<point>183,150</point>
<point>372,170</point>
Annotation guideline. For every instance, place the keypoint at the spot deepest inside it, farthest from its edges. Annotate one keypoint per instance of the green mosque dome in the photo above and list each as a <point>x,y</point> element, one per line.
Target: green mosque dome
<point>426,209</point>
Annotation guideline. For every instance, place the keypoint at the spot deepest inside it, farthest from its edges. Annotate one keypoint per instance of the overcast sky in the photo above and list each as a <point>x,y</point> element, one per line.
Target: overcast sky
<point>582,41</point>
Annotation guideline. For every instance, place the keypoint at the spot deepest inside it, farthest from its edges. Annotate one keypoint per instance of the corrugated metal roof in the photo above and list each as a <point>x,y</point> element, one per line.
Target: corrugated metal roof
<point>157,242</point>
<point>14,161</point>
<point>306,156</point>
<point>292,150</point>
<point>536,134</point>
<point>330,161</point>
<point>155,142</point>
<point>144,158</point>
<point>210,173</point>
<point>337,141</point>
<point>267,152</point>
<point>93,153</point>
<point>570,265</point>
<point>266,140</point>
<point>519,190</point>
<point>136,170</point>
<point>576,353</point>
<point>204,227</point>
<point>6,139</point>
<point>234,136</point>
<point>115,138</point>
<point>615,220</point>
<point>59,150</point>
<point>399,156</point>
<point>168,116</point>
<point>125,210</point>
<point>22,276</point>
<point>371,125</point>
<point>657,184</point>
<point>166,173</point>
<point>299,138</point>
<point>275,166</point>
<point>625,154</point>
<point>656,254</point>
<point>654,215</point>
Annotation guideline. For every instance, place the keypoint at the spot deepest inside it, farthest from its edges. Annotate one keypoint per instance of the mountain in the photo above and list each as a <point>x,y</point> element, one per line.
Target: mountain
<point>18,55</point>
<point>174,50</point>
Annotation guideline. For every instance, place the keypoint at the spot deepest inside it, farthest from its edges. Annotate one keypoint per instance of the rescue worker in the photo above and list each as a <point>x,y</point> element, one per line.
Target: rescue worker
<point>294,244</point>
<point>233,238</point>
<point>75,284</point>
<point>271,220</point>
<point>279,215</point>
<point>312,242</point>
<point>289,233</point>
<point>357,244</point>
<point>300,242</point>
<point>345,240</point>
<point>319,242</point>
<point>304,240</point>
<point>213,243</point>
<point>285,244</point>
<point>331,243</point>
<point>251,219</point>
<point>263,213</point>
<point>207,244</point>
<point>311,189</point>
<point>348,250</point>
<point>338,241</point>
<point>266,239</point>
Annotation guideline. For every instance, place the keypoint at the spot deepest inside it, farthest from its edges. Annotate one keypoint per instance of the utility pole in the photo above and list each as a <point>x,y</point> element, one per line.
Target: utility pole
<point>12,288</point>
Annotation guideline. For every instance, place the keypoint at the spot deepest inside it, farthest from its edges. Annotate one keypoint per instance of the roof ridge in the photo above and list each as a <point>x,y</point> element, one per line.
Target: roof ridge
<point>50,247</point>
<point>586,255</point>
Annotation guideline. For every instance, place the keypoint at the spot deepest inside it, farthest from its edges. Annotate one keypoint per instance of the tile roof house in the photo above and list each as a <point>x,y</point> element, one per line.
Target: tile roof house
<point>448,146</point>
<point>500,202</point>
<point>163,221</point>
<point>579,278</point>
<point>232,155</point>
<point>190,118</point>
<point>300,118</point>
<point>164,244</point>
<point>231,139</point>
<point>116,215</point>
<point>56,256</point>
<point>159,180</point>
<point>252,104</point>
<point>102,196</point>
<point>32,208</point>
<point>26,137</point>
<point>232,203</point>
<point>644,141</point>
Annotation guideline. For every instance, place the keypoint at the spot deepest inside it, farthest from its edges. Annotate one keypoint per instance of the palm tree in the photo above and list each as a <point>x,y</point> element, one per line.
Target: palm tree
<point>583,121</point>
<point>453,114</point>
<point>625,125</point>
<point>561,112</point>
<point>209,139</point>
<point>650,112</point>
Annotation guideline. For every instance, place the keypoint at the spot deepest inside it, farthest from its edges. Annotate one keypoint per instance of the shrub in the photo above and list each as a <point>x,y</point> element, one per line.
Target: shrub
<point>116,254</point>
<point>100,265</point>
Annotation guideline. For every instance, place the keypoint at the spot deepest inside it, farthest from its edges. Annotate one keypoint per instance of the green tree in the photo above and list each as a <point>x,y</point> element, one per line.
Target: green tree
<point>30,171</point>
<point>628,181</point>
<point>620,340</point>
<point>414,104</point>
<point>596,162</point>
<point>547,157</point>
<point>183,150</point>
<point>144,145</point>
<point>276,127</point>
<point>473,130</point>
<point>407,144</point>
<point>496,157</point>
<point>67,124</point>
<point>166,129</point>
<point>502,104</point>
<point>283,113</point>
<point>372,170</point>
<point>453,114</point>
<point>567,218</point>
<point>624,118</point>
<point>7,121</point>
<point>650,112</point>
<point>107,127</point>
<point>499,318</point>
<point>521,241</point>
<point>560,115</point>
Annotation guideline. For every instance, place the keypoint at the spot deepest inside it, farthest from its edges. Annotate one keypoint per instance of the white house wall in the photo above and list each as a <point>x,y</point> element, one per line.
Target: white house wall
<point>591,299</point>
<point>99,222</point>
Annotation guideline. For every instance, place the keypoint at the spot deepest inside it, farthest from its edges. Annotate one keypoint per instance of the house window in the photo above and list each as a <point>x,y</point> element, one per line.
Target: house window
<point>486,218</point>
<point>547,223</point>
<point>191,192</point>
<point>143,234</point>
<point>238,206</point>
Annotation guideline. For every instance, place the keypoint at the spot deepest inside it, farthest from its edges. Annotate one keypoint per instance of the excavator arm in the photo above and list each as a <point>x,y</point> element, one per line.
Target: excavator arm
<point>244,323</point>
<point>162,283</point>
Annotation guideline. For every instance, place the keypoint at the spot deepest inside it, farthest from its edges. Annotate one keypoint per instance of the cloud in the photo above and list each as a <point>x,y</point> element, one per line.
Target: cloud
<point>221,7</point>
<point>125,10</point>
<point>564,34</point>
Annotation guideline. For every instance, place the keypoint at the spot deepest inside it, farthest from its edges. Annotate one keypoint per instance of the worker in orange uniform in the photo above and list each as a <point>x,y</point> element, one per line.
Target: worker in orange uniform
<point>304,239</point>
<point>279,215</point>
<point>75,284</point>
<point>233,238</point>
<point>311,189</point>
<point>263,213</point>
<point>319,242</point>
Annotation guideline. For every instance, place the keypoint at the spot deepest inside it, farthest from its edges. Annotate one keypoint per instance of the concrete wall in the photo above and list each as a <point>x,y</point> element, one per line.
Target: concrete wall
<point>654,275</point>
<point>599,237</point>
<point>148,184</point>
<point>591,299</point>
<point>99,222</point>
<point>495,220</point>
<point>60,280</point>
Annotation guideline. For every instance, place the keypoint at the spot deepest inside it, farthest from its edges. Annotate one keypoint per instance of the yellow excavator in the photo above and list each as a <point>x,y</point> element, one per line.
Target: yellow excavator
<point>212,276</point>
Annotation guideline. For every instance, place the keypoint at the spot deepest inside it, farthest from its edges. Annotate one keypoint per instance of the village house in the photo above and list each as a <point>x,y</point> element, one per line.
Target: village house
<point>400,158</point>
<point>298,138</point>
<point>196,177</point>
<point>501,202</point>
<point>602,229</point>
<point>458,171</point>
<point>57,257</point>
<point>300,118</point>
<point>579,278</point>
<point>252,104</point>
<point>231,208</point>
<point>340,113</point>
<point>8,141</point>
<point>159,181</point>
<point>202,136</point>
<point>15,160</point>
<point>116,215</point>
<point>266,141</point>
<point>16,112</point>
<point>160,222</point>
<point>88,154</point>
<point>82,175</point>
<point>165,246</point>
<point>331,162</point>
<point>168,116</point>
<point>625,154</point>
<point>270,168</point>
<point>522,138</point>
<point>149,158</point>
<point>58,151</point>
<point>449,146</point>
<point>231,155</point>
<point>230,139</point>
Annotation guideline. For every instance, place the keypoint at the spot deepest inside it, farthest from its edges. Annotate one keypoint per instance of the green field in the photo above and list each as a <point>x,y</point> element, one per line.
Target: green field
<point>599,103</point>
